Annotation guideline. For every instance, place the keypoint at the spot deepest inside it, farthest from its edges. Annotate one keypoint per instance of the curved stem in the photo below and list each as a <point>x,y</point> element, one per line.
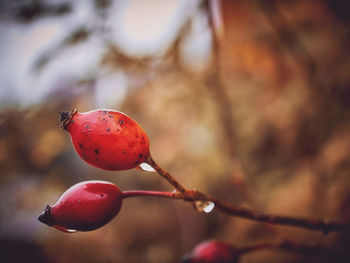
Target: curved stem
<point>167,176</point>
<point>310,224</point>
<point>188,195</point>
<point>133,193</point>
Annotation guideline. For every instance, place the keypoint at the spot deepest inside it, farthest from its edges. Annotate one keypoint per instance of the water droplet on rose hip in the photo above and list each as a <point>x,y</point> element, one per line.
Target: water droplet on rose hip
<point>204,206</point>
<point>146,167</point>
<point>65,230</point>
<point>71,230</point>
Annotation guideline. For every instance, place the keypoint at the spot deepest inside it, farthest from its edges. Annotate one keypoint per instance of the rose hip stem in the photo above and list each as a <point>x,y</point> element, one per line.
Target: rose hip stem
<point>166,175</point>
<point>188,195</point>
<point>133,193</point>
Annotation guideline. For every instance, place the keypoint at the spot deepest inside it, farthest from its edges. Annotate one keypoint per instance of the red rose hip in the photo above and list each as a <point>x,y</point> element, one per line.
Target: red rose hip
<point>85,206</point>
<point>212,252</point>
<point>107,139</point>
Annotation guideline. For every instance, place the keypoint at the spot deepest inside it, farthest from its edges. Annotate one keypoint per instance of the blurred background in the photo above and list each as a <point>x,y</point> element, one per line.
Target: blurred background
<point>246,100</point>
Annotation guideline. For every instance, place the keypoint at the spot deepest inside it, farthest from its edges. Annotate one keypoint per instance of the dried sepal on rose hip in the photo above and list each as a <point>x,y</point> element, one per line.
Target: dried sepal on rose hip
<point>107,139</point>
<point>212,251</point>
<point>85,206</point>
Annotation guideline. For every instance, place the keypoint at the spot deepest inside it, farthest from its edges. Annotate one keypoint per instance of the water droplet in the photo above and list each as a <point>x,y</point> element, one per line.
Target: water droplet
<point>146,167</point>
<point>71,230</point>
<point>209,207</point>
<point>65,230</point>
<point>204,206</point>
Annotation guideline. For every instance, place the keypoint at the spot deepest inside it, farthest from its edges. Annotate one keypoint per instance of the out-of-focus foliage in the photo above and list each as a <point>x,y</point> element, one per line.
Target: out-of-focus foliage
<point>257,114</point>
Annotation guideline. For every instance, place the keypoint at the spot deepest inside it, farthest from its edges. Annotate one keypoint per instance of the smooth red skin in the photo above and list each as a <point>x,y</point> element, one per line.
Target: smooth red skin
<point>86,206</point>
<point>213,252</point>
<point>108,139</point>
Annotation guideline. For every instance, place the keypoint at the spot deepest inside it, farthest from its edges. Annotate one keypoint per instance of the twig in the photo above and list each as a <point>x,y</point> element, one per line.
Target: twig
<point>221,98</point>
<point>134,193</point>
<point>191,196</point>
<point>167,176</point>
<point>310,224</point>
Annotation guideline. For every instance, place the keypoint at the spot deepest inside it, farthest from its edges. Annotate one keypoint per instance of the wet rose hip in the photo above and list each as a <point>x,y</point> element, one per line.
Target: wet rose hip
<point>107,139</point>
<point>212,252</point>
<point>85,206</point>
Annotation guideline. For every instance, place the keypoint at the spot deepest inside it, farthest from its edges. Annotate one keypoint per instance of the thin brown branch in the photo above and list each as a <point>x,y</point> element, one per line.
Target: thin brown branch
<point>228,208</point>
<point>135,193</point>
<point>220,96</point>
<point>167,176</point>
<point>306,223</point>
<point>220,93</point>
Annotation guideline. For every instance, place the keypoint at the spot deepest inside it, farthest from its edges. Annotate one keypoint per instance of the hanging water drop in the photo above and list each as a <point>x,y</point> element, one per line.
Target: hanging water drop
<point>146,167</point>
<point>71,230</point>
<point>204,206</point>
<point>209,207</point>
<point>65,230</point>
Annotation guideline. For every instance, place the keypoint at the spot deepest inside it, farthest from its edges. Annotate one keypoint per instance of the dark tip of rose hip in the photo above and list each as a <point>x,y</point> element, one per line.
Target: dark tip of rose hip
<point>66,118</point>
<point>140,155</point>
<point>45,217</point>
<point>121,122</point>
<point>96,151</point>
<point>64,115</point>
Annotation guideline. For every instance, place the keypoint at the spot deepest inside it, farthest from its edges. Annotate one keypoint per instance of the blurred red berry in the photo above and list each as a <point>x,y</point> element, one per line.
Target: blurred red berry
<point>212,252</point>
<point>85,206</point>
<point>107,139</point>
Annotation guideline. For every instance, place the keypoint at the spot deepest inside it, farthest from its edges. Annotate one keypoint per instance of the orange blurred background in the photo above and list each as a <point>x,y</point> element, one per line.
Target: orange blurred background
<point>246,100</point>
